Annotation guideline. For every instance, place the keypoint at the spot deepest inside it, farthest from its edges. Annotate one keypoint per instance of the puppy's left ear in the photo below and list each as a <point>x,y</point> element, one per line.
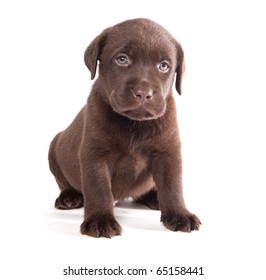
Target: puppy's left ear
<point>180,69</point>
<point>93,52</point>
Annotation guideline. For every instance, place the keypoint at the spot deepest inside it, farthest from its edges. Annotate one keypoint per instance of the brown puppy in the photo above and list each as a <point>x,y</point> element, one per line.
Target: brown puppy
<point>125,141</point>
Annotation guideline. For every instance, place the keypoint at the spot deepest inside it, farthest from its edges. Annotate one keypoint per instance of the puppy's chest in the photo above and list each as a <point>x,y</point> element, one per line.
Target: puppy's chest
<point>131,165</point>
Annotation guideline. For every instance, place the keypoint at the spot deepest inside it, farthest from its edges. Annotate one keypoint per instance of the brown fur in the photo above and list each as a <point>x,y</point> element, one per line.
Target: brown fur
<point>125,142</point>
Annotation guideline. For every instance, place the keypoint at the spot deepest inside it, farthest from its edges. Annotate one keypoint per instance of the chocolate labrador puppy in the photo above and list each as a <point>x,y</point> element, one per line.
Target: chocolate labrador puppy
<point>125,142</point>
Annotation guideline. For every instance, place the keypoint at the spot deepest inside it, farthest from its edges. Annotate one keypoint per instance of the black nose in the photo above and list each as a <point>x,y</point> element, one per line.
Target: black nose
<point>143,96</point>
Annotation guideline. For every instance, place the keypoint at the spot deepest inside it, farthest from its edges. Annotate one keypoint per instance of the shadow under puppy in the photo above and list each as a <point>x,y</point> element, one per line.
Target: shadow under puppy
<point>125,141</point>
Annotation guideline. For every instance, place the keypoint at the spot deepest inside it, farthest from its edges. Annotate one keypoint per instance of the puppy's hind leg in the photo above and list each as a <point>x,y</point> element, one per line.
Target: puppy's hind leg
<point>149,199</point>
<point>69,198</point>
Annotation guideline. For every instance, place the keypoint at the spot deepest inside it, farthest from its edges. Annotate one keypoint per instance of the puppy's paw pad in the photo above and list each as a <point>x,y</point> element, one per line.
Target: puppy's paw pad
<point>181,222</point>
<point>103,226</point>
<point>69,199</point>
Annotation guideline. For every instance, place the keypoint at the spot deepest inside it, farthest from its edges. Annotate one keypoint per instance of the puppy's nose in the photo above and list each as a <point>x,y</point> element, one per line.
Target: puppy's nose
<point>143,96</point>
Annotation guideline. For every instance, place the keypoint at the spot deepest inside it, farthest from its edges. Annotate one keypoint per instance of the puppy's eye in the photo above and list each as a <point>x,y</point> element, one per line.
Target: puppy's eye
<point>164,67</point>
<point>122,60</point>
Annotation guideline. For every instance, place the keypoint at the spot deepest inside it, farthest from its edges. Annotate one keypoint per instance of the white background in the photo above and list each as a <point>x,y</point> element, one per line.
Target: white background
<point>44,83</point>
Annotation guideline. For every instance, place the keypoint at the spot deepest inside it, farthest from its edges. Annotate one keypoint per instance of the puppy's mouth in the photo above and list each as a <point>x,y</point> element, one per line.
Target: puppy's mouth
<point>139,114</point>
<point>128,106</point>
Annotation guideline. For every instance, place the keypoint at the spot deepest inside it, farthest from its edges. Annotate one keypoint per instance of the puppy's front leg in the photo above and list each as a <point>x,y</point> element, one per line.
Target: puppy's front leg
<point>167,173</point>
<point>99,218</point>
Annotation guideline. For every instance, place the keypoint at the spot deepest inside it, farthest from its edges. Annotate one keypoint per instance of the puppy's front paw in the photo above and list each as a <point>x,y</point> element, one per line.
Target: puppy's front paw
<point>185,222</point>
<point>101,226</point>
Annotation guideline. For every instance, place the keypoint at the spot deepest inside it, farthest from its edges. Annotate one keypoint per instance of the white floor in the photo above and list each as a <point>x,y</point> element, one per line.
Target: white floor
<point>222,117</point>
<point>42,241</point>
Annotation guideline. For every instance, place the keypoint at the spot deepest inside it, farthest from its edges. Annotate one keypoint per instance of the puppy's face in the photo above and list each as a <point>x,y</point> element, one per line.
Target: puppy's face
<point>138,61</point>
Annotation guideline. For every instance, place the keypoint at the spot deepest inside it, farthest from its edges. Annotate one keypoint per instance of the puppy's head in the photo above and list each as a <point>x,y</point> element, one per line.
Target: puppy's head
<point>138,60</point>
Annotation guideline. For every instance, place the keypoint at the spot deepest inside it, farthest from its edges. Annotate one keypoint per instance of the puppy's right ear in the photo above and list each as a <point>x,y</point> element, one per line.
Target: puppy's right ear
<point>93,52</point>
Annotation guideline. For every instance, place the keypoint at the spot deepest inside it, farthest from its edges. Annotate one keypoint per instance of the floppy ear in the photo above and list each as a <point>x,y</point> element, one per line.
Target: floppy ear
<point>93,51</point>
<point>180,69</point>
